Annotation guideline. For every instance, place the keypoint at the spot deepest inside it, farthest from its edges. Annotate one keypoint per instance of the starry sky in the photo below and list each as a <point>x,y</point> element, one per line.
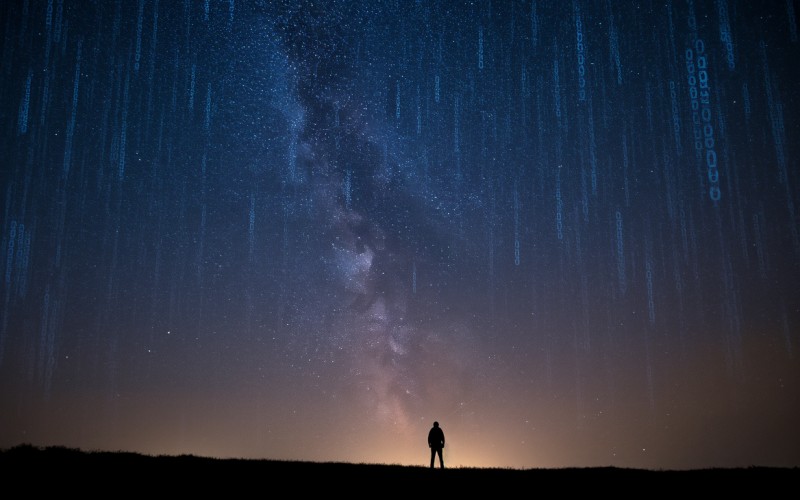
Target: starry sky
<point>567,231</point>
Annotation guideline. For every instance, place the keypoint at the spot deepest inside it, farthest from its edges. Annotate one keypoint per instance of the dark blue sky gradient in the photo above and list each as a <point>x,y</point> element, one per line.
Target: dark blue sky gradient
<point>568,231</point>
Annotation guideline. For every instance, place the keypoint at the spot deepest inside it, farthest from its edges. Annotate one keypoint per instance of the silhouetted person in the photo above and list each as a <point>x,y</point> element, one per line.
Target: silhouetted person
<point>436,443</point>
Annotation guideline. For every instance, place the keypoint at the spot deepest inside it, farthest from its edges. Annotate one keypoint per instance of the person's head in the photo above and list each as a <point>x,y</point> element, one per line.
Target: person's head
<point>436,424</point>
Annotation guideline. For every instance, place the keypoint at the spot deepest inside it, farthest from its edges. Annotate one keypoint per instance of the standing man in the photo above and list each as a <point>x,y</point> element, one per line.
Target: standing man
<point>436,443</point>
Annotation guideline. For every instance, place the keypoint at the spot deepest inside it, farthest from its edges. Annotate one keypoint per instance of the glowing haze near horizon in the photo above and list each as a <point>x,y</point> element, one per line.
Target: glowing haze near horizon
<point>568,231</point>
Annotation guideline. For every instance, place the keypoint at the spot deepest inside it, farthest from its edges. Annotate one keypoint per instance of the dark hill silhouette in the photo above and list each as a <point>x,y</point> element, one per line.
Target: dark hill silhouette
<point>29,469</point>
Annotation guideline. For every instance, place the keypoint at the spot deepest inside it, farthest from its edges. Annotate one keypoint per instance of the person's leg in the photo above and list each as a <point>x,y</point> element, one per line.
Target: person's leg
<point>441,460</point>
<point>433,456</point>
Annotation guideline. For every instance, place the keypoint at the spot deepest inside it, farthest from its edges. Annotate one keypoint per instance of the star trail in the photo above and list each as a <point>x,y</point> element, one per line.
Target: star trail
<point>306,230</point>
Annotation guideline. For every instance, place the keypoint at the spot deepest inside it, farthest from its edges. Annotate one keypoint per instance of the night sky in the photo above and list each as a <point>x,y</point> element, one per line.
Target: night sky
<point>568,231</point>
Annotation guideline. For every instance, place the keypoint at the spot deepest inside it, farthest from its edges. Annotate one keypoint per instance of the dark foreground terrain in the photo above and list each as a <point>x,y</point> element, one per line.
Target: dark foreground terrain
<point>29,470</point>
